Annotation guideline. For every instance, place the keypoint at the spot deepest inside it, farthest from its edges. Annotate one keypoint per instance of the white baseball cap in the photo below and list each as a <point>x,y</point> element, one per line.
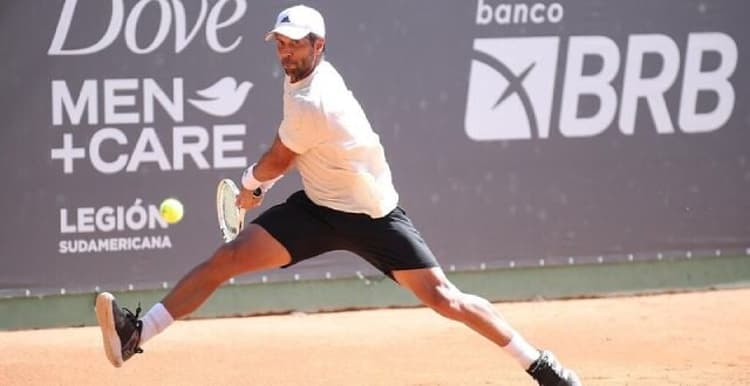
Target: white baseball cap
<point>297,22</point>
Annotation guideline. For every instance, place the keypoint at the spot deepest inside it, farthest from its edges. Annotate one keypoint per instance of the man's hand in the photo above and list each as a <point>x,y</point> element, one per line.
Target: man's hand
<point>248,199</point>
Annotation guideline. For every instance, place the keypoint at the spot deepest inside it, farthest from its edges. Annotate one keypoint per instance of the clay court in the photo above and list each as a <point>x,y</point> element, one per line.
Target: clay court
<point>696,338</point>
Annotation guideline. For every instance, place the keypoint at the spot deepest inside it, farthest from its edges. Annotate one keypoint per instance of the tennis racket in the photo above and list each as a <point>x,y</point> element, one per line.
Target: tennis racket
<point>231,217</point>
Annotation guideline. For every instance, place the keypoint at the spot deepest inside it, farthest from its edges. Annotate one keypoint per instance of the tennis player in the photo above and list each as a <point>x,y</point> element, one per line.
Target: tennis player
<point>348,203</point>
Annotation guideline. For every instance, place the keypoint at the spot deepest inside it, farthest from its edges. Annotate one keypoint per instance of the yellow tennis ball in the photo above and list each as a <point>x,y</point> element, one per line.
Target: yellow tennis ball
<point>171,210</point>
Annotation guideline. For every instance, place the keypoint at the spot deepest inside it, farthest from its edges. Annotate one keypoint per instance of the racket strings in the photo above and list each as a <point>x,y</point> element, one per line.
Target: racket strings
<point>230,210</point>
<point>230,220</point>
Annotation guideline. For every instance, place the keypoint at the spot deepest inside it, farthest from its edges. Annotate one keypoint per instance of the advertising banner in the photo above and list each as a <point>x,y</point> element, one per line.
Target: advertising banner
<point>518,133</point>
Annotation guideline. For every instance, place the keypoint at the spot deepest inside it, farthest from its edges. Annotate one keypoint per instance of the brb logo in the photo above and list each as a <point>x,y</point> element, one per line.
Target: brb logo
<point>524,70</point>
<point>514,93</point>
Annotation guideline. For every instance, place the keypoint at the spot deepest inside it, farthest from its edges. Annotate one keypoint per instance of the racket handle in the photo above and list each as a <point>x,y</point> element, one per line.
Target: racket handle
<point>258,192</point>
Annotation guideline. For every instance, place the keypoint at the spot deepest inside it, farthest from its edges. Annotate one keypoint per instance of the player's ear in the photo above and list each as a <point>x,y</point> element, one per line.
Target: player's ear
<point>320,44</point>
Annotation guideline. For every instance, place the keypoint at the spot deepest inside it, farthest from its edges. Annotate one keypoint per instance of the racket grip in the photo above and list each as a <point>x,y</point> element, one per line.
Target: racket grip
<point>258,192</point>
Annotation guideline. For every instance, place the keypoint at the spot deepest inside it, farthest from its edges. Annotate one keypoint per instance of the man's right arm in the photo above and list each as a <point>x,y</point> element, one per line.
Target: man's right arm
<point>274,162</point>
<point>270,167</point>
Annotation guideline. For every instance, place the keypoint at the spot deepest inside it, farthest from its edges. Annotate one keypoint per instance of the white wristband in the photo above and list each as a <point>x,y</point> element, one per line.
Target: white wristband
<point>248,180</point>
<point>251,183</point>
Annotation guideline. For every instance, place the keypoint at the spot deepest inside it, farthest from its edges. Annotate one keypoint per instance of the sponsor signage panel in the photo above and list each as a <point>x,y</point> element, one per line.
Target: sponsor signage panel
<point>519,133</point>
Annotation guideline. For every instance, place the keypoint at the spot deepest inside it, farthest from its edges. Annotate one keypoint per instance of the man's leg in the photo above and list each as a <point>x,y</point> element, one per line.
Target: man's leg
<point>433,289</point>
<point>253,250</point>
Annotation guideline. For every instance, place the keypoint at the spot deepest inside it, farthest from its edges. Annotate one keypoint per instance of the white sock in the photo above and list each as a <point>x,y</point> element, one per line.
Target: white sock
<point>522,351</point>
<point>156,320</point>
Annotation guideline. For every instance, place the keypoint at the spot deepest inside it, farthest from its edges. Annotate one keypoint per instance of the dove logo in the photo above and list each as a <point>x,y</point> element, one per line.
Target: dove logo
<point>511,87</point>
<point>114,106</point>
<point>223,98</point>
<point>213,20</point>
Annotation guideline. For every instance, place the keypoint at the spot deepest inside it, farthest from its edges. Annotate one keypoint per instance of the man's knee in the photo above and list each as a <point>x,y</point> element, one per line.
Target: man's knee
<point>254,249</point>
<point>446,301</point>
<point>225,261</point>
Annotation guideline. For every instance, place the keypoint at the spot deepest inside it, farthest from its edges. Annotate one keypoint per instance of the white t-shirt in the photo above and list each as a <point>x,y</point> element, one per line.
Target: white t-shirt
<point>340,158</point>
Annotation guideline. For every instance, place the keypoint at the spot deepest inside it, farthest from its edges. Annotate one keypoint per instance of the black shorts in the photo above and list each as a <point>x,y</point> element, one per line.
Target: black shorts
<point>306,230</point>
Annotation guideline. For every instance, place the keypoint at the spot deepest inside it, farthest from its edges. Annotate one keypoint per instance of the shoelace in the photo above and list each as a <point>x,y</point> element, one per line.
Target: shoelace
<point>138,324</point>
<point>132,316</point>
<point>546,370</point>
